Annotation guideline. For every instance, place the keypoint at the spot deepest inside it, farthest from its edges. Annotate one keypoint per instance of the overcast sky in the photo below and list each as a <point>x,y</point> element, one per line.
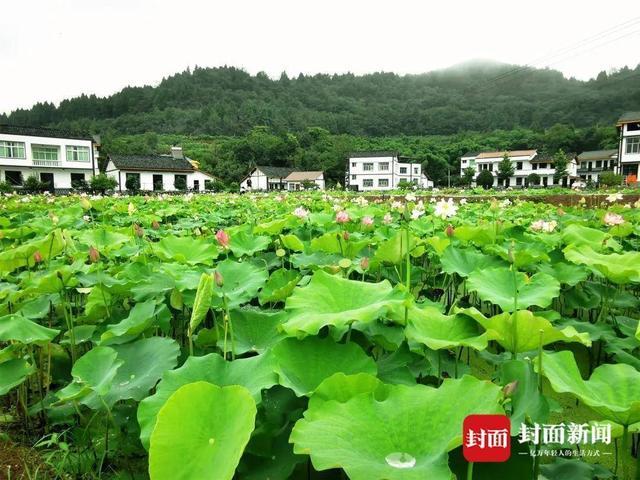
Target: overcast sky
<point>56,49</point>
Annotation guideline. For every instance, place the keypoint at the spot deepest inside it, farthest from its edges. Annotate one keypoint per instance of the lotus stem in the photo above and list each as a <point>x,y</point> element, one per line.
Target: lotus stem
<point>470,471</point>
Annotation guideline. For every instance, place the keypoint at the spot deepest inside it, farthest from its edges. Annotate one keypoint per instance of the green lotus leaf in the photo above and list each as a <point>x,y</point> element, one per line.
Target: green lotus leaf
<point>243,243</point>
<point>336,301</point>
<point>201,433</point>
<point>303,364</point>
<point>92,373</point>
<point>463,261</point>
<point>103,239</point>
<point>317,259</point>
<point>187,250</point>
<point>613,391</point>
<point>275,226</point>
<point>526,400</point>
<point>579,236</point>
<point>242,280</point>
<point>400,433</point>
<point>478,234</point>
<point>49,247</point>
<point>202,302</point>
<point>255,330</point>
<point>524,253</point>
<point>394,250</point>
<point>499,285</point>
<point>527,331</point>
<point>565,273</point>
<point>332,242</point>
<point>20,329</point>
<point>619,268</point>
<point>279,286</point>
<point>292,242</point>
<point>254,373</point>
<point>438,331</point>
<point>13,372</point>
<point>140,318</point>
<point>340,387</point>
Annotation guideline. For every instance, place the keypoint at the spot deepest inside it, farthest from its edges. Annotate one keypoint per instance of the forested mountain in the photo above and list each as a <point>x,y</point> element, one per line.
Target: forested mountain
<point>229,119</point>
<point>229,101</point>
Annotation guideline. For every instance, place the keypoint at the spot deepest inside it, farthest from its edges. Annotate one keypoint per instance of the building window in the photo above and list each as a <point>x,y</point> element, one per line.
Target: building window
<point>12,150</point>
<point>77,154</point>
<point>180,182</point>
<point>518,165</point>
<point>415,170</point>
<point>353,164</point>
<point>403,170</point>
<point>44,152</point>
<point>196,185</point>
<point>383,182</point>
<point>491,167</point>
<point>633,127</point>
<point>353,177</point>
<point>518,180</point>
<point>367,182</point>
<point>599,164</point>
<point>534,166</point>
<point>13,177</point>
<point>383,166</point>
<point>464,162</point>
<point>78,180</point>
<point>367,167</point>
<point>633,145</point>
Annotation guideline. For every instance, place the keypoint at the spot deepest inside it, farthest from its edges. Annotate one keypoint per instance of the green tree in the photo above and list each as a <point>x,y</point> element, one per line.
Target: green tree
<point>610,179</point>
<point>485,179</point>
<point>102,183</point>
<point>133,183</point>
<point>533,179</point>
<point>467,176</point>
<point>560,163</point>
<point>505,169</point>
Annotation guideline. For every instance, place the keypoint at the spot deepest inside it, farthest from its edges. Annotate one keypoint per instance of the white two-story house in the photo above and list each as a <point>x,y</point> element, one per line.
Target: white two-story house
<point>383,171</point>
<point>592,163</point>
<point>60,159</point>
<point>629,145</point>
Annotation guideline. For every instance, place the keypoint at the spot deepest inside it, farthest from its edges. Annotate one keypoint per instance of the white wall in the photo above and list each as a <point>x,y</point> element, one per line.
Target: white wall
<point>258,181</point>
<point>60,143</point>
<point>61,178</point>
<point>146,178</point>
<point>390,177</point>
<point>629,158</point>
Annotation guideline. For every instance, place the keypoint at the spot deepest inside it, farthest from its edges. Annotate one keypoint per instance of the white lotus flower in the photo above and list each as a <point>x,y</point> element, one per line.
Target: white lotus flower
<point>445,209</point>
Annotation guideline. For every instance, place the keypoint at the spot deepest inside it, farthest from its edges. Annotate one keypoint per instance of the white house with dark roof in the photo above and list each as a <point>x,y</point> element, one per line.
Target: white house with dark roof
<point>629,144</point>
<point>383,171</point>
<point>591,164</point>
<point>158,172</point>
<point>61,159</point>
<point>265,178</point>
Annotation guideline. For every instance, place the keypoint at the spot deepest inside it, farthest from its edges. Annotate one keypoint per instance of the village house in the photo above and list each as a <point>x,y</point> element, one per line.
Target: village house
<point>158,172</point>
<point>265,178</point>
<point>525,162</point>
<point>383,171</point>
<point>60,159</point>
<point>591,164</point>
<point>629,146</point>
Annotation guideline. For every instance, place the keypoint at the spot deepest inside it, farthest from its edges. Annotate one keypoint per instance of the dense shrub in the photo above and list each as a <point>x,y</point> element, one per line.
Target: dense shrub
<point>485,179</point>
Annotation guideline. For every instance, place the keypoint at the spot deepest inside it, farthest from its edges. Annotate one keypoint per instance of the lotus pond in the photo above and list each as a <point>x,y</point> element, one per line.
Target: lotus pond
<point>314,336</point>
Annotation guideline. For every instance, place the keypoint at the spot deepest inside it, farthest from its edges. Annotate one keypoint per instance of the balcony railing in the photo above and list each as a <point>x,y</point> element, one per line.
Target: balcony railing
<point>46,163</point>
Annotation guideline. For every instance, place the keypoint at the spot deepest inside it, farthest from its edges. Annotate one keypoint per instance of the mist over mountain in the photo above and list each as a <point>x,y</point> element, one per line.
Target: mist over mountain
<point>479,95</point>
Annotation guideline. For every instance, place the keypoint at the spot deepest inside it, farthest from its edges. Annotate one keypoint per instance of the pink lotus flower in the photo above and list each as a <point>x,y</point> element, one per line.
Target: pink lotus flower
<point>301,212</point>
<point>367,221</point>
<point>94,254</point>
<point>342,217</point>
<point>217,277</point>
<point>37,256</point>
<point>223,238</point>
<point>613,219</point>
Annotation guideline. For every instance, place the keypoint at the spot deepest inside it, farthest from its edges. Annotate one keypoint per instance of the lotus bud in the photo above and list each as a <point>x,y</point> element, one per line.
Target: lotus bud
<point>155,225</point>
<point>37,256</point>
<point>85,204</point>
<point>346,235</point>
<point>510,253</point>
<point>217,277</point>
<point>131,208</point>
<point>510,388</point>
<point>333,268</point>
<point>223,238</point>
<point>449,230</point>
<point>94,254</point>
<point>364,263</point>
<point>138,230</point>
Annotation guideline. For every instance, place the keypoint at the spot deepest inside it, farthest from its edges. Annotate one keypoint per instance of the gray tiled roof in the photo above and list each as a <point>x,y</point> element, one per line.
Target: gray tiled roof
<point>275,172</point>
<point>598,155</point>
<point>42,132</point>
<point>151,162</point>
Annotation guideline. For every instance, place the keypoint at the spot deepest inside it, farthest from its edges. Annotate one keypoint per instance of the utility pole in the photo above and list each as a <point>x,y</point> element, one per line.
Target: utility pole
<point>449,176</point>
